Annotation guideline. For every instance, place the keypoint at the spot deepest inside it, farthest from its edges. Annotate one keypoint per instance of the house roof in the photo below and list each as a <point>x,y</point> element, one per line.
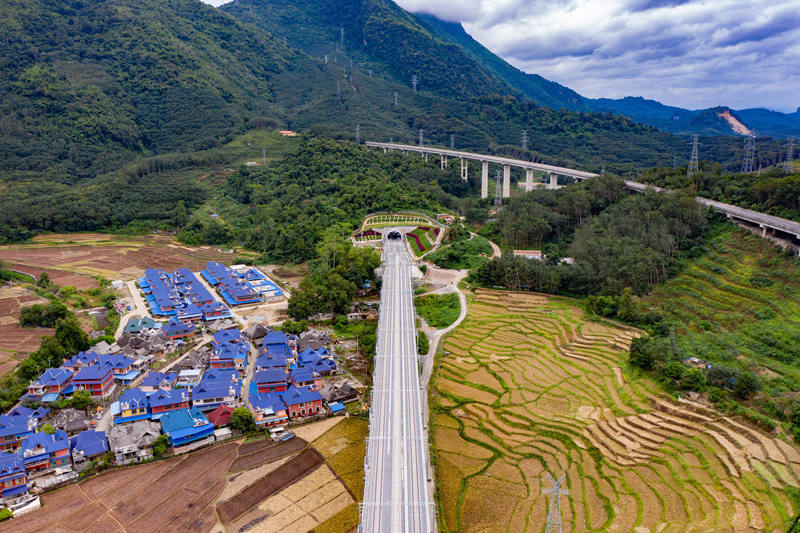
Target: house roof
<point>82,358</point>
<point>10,463</point>
<point>271,361</point>
<point>270,402</point>
<point>53,377</point>
<point>228,335</point>
<point>217,383</point>
<point>92,373</point>
<point>15,425</point>
<point>50,443</point>
<point>115,361</point>
<point>295,395</point>
<point>89,442</point>
<point>133,399</point>
<point>231,351</point>
<point>176,327</point>
<point>25,413</point>
<point>163,397</point>
<point>158,379</point>
<point>324,365</point>
<point>213,306</point>
<point>302,374</point>
<point>270,376</point>
<point>221,416</point>
<point>274,337</point>
<point>70,420</point>
<point>181,422</point>
<point>141,433</point>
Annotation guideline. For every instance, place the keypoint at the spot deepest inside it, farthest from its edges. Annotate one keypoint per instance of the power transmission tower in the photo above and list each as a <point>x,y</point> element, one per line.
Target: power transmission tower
<point>414,81</point>
<point>338,89</point>
<point>370,73</point>
<point>498,188</point>
<point>420,137</point>
<point>525,139</point>
<point>326,59</point>
<point>554,509</point>
<point>749,154</point>
<point>264,155</point>
<point>603,172</point>
<point>358,133</point>
<point>395,98</point>
<point>452,142</point>
<point>788,164</point>
<point>674,161</point>
<point>693,164</point>
<point>341,39</point>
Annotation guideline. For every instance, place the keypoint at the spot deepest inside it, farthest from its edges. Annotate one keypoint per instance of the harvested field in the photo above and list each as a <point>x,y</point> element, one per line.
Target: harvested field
<point>76,263</point>
<point>268,454</point>
<point>13,338</point>
<point>305,462</point>
<point>530,386</point>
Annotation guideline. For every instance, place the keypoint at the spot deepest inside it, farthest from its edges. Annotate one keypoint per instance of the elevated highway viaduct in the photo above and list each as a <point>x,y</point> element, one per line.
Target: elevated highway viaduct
<point>767,223</point>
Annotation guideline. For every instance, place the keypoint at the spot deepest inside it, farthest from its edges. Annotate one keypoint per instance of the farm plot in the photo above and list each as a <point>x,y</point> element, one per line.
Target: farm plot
<point>529,386</point>
<point>75,263</point>
<point>13,338</point>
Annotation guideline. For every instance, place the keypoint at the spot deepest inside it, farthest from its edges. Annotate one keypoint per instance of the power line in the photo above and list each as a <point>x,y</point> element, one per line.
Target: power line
<point>693,168</point>
<point>554,509</point>
<point>749,154</point>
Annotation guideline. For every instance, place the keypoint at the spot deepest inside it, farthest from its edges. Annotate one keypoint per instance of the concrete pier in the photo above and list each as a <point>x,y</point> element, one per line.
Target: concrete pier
<point>484,179</point>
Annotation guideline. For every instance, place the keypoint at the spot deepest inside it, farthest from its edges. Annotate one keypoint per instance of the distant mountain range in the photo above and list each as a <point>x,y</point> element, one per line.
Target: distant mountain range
<point>447,60</point>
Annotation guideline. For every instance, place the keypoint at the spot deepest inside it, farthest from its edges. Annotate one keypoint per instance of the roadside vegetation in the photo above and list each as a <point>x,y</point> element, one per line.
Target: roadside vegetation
<point>461,250</point>
<point>438,310</point>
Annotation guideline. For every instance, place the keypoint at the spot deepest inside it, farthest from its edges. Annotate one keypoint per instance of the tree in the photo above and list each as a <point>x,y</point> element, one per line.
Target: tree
<point>47,428</point>
<point>746,385</point>
<point>70,335</point>
<point>81,399</point>
<point>242,419</point>
<point>294,327</point>
<point>44,280</point>
<point>673,370</point>
<point>160,446</point>
<point>694,379</point>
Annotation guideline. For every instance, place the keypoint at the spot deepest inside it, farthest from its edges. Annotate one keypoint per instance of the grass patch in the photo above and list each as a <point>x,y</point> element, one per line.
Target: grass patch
<point>464,253</point>
<point>438,310</point>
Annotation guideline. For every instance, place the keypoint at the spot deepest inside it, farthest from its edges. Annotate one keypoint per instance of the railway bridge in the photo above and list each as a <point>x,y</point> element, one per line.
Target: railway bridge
<point>767,223</point>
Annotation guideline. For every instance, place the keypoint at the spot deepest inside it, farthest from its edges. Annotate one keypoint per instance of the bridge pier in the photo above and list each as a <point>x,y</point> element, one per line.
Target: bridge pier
<point>425,155</point>
<point>464,169</point>
<point>484,179</point>
<point>528,179</point>
<point>444,162</point>
<point>506,181</point>
<point>553,181</point>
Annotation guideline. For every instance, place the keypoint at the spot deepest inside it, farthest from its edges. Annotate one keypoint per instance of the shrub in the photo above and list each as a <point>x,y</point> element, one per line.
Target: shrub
<point>242,419</point>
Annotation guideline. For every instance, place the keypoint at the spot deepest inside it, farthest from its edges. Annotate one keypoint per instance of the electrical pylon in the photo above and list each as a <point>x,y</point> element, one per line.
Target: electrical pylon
<point>749,154</point>
<point>554,509</point>
<point>788,164</point>
<point>693,168</point>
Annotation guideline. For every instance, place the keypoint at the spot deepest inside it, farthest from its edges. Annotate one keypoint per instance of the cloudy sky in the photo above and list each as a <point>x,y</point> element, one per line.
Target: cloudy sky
<point>688,53</point>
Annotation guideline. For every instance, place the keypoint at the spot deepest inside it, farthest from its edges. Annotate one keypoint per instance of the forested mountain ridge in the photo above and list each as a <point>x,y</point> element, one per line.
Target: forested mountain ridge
<point>88,86</point>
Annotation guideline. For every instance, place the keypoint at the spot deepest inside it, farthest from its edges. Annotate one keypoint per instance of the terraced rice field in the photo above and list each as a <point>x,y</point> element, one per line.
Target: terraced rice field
<point>529,386</point>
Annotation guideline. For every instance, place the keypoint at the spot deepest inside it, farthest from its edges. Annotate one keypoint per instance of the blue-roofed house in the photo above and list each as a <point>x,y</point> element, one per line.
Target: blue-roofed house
<point>324,366</point>
<point>14,430</point>
<point>268,409</point>
<point>133,406</point>
<point>274,380</point>
<point>230,355</point>
<point>137,325</point>
<point>86,446</point>
<point>158,380</point>
<point>190,313</point>
<point>217,387</point>
<point>274,338</point>
<point>184,426</point>
<point>230,335</point>
<point>307,357</point>
<point>122,366</point>
<point>302,402</point>
<point>269,361</point>
<point>163,401</point>
<point>175,329</point>
<point>215,311</point>
<point>80,360</point>
<point>26,412</point>
<point>305,377</point>
<point>51,384</point>
<point>13,477</point>
<point>42,452</point>
<point>98,380</point>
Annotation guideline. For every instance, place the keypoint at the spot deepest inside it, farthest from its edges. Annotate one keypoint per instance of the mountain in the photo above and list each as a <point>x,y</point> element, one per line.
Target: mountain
<point>86,86</point>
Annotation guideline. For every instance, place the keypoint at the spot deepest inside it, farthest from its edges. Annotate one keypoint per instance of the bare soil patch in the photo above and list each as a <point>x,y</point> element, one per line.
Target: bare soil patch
<point>268,454</point>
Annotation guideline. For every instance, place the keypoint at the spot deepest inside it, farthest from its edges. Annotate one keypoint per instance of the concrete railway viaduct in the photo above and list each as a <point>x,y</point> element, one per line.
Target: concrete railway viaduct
<point>767,223</point>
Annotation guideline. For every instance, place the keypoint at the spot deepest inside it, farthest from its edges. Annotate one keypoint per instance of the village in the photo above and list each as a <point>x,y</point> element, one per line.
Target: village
<point>185,363</point>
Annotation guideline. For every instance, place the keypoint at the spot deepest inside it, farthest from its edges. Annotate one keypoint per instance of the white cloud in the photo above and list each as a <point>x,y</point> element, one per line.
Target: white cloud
<point>688,53</point>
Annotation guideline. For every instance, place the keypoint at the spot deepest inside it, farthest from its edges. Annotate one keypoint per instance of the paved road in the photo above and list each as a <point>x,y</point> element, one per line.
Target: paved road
<point>138,308</point>
<point>397,497</point>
